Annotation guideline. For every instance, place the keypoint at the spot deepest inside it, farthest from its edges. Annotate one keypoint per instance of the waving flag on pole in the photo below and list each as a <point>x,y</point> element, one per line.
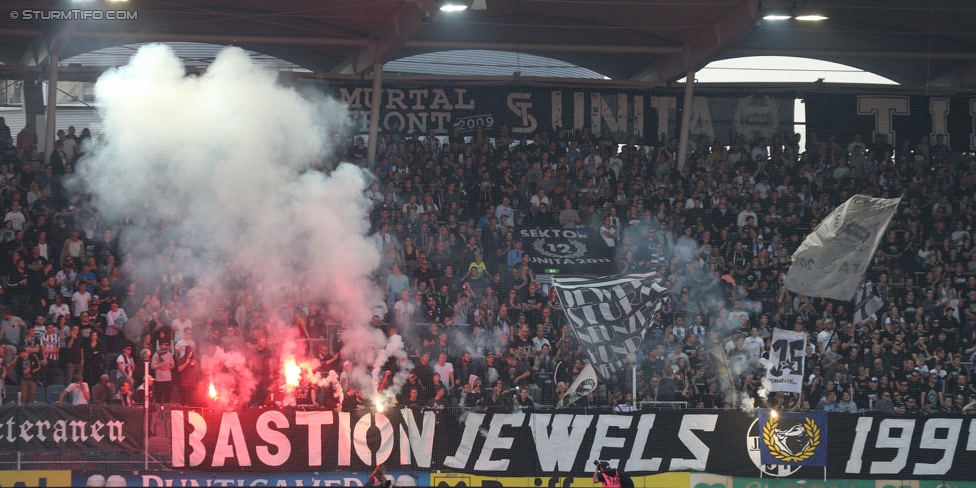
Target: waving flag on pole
<point>610,315</point>
<point>866,303</point>
<point>833,257</point>
<point>720,364</point>
<point>584,384</point>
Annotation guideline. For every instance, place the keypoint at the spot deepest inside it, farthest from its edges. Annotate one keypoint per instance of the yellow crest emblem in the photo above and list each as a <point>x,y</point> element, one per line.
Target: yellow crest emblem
<point>778,452</point>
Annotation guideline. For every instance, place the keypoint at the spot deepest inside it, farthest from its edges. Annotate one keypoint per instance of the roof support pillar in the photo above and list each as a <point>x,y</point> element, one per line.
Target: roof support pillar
<point>374,115</point>
<point>52,104</point>
<point>686,120</point>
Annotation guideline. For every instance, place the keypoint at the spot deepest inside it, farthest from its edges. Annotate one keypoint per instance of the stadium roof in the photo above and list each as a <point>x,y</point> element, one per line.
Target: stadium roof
<point>913,43</point>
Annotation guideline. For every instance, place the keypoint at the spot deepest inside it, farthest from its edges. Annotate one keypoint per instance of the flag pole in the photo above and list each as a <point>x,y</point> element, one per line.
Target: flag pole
<point>145,418</point>
<point>633,382</point>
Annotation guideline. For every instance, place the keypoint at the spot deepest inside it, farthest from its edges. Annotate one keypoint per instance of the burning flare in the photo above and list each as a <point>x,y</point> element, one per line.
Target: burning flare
<point>212,391</point>
<point>293,373</point>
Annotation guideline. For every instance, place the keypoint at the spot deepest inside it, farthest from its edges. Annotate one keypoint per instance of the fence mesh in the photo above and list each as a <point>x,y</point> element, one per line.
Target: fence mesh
<point>303,312</point>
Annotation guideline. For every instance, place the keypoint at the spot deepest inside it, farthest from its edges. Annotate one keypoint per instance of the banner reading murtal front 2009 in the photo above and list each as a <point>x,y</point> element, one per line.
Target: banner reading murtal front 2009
<point>833,257</point>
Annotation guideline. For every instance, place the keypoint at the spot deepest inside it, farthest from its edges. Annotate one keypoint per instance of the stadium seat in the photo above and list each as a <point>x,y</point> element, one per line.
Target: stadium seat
<point>92,461</point>
<point>137,457</point>
<point>159,445</point>
<point>110,360</point>
<point>27,460</point>
<point>536,394</point>
<point>114,457</point>
<point>162,459</point>
<point>71,461</point>
<point>53,393</point>
<point>113,376</point>
<point>8,461</point>
<point>11,393</point>
<point>47,460</point>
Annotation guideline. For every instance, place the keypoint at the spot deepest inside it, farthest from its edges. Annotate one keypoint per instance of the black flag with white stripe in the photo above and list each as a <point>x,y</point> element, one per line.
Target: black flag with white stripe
<point>610,315</point>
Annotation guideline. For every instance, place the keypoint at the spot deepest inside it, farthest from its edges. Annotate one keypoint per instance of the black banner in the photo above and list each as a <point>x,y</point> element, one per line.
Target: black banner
<point>79,428</point>
<point>567,252</point>
<point>649,116</point>
<point>545,444</point>
<point>610,315</point>
<point>901,117</point>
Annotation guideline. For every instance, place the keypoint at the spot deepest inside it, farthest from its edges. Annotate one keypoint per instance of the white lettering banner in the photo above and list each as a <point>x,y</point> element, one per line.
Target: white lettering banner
<point>787,354</point>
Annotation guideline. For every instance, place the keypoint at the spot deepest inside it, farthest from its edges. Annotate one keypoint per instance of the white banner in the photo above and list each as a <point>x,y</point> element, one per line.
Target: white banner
<point>833,257</point>
<point>787,354</point>
<point>584,384</point>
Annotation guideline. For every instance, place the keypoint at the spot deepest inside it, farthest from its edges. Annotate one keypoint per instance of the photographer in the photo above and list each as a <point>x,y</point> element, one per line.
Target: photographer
<point>610,477</point>
<point>378,477</point>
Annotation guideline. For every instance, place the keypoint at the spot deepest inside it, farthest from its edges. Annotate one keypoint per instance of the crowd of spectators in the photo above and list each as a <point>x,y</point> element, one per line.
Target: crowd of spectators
<point>85,297</point>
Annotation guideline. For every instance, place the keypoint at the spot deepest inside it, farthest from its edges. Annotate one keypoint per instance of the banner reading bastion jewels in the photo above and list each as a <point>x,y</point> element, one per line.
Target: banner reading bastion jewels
<point>547,445</point>
<point>650,116</point>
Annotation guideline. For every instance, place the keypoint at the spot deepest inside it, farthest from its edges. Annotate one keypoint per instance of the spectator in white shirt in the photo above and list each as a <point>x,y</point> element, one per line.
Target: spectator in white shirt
<point>445,370</point>
<point>15,216</point>
<point>79,391</point>
<point>81,299</point>
<point>180,323</point>
<point>744,216</point>
<point>857,142</point>
<point>505,209</point>
<point>538,199</point>
<point>58,308</point>
<point>754,344</point>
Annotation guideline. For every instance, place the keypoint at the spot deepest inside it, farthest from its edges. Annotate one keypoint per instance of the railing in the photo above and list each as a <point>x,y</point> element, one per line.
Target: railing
<point>662,404</point>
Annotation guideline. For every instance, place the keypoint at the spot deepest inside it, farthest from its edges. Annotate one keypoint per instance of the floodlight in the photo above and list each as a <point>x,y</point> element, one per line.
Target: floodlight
<point>453,5</point>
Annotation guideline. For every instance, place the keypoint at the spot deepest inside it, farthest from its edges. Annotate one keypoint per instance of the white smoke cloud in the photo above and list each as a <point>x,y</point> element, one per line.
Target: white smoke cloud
<point>767,385</point>
<point>224,160</point>
<point>232,380</point>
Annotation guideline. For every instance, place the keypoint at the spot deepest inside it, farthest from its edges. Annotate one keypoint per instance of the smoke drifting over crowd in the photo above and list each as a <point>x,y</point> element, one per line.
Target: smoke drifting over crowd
<point>223,160</point>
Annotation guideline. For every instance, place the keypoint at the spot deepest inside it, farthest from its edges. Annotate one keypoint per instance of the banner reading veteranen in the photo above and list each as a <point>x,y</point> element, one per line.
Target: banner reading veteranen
<point>787,353</point>
<point>833,257</point>
<point>610,315</point>
<point>80,428</point>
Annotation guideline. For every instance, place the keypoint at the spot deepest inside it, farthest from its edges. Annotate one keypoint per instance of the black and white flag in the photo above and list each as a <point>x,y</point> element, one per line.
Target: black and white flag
<point>584,384</point>
<point>866,303</point>
<point>610,315</point>
<point>787,353</point>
